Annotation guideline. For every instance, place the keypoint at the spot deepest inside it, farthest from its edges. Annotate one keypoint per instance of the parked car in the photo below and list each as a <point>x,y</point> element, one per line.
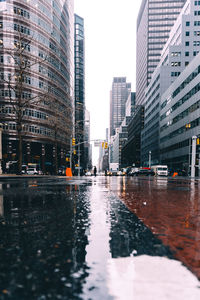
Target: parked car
<point>88,173</point>
<point>32,171</point>
<point>145,172</point>
<point>133,171</point>
<point>119,173</point>
<point>109,173</point>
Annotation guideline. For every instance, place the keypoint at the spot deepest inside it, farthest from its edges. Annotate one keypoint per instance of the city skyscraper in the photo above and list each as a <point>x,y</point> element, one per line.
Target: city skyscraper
<point>118,97</point>
<point>36,80</point>
<point>155,20</point>
<point>79,81</point>
<point>177,55</point>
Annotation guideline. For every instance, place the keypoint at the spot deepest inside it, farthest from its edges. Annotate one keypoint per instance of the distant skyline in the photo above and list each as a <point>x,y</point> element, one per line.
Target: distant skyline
<point>110,42</point>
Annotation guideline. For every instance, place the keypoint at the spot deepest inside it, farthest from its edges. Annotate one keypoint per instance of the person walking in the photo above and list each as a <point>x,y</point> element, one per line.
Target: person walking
<point>95,171</point>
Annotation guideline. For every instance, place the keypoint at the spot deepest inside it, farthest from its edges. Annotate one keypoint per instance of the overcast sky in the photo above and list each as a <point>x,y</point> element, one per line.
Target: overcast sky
<point>110,51</point>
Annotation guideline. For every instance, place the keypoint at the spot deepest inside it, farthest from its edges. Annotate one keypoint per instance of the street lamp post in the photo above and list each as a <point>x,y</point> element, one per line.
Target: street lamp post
<point>79,159</point>
<point>193,161</point>
<point>149,159</point>
<point>79,143</point>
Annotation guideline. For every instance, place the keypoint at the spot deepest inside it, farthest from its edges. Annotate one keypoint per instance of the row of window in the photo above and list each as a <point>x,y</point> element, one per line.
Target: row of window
<point>196,33</point>
<point>175,74</point>
<point>22,29</point>
<point>152,111</point>
<point>179,145</point>
<point>186,82</point>
<point>30,128</point>
<point>187,53</point>
<point>21,12</point>
<point>10,93</point>
<point>27,112</point>
<point>196,23</point>
<point>185,98</point>
<point>182,115</point>
<point>181,130</point>
<point>153,93</point>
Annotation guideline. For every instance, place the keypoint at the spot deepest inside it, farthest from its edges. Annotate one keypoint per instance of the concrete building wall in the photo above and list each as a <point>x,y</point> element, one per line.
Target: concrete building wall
<point>155,20</point>
<point>180,117</point>
<point>180,51</point>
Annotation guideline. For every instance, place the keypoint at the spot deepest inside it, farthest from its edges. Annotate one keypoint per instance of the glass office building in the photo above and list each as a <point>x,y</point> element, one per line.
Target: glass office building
<point>79,81</point>
<point>118,97</point>
<point>37,79</point>
<point>155,20</point>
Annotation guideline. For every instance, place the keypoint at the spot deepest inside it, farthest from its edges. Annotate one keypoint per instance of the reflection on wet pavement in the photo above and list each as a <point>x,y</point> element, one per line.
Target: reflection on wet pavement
<point>171,209</point>
<point>71,239</point>
<point>43,240</point>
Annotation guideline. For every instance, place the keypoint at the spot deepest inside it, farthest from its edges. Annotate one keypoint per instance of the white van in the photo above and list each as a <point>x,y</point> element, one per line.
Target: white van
<point>160,170</point>
<point>32,171</point>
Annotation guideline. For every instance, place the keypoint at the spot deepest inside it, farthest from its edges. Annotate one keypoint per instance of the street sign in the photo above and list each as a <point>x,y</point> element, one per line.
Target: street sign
<point>99,143</point>
<point>78,168</point>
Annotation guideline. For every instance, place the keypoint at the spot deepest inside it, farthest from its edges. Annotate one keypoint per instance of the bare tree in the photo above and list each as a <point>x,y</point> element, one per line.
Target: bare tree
<point>60,122</point>
<point>17,80</point>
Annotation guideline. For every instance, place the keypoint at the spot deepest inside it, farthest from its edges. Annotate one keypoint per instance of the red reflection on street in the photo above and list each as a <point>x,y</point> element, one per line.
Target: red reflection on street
<point>171,209</point>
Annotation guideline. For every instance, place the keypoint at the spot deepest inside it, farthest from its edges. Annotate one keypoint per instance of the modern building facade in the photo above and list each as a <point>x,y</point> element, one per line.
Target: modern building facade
<point>118,97</point>
<point>180,117</point>
<point>118,141</point>
<point>79,81</point>
<point>155,20</point>
<point>36,80</point>
<point>181,48</point>
<point>131,150</point>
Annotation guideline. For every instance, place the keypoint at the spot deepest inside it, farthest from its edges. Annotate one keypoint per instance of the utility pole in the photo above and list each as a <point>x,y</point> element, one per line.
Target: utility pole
<point>193,161</point>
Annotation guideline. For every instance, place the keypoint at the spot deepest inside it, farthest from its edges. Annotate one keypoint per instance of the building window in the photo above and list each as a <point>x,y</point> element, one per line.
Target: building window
<point>175,74</point>
<point>195,53</point>
<point>197,12</point>
<point>187,23</point>
<point>176,54</point>
<point>176,64</point>
<point>187,43</point>
<point>196,43</point>
<point>187,53</point>
<point>186,63</point>
<point>196,33</point>
<point>187,33</point>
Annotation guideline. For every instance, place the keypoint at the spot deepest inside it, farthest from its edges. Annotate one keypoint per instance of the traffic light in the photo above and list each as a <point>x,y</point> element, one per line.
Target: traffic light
<point>106,145</point>
<point>73,141</point>
<point>102,144</point>
<point>198,141</point>
<point>67,159</point>
<point>74,152</point>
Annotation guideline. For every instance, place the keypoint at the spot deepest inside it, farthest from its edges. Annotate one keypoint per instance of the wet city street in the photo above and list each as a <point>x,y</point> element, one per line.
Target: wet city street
<point>99,238</point>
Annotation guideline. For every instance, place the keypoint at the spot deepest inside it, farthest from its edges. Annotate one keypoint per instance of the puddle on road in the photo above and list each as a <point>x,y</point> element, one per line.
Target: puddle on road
<point>62,240</point>
<point>171,209</point>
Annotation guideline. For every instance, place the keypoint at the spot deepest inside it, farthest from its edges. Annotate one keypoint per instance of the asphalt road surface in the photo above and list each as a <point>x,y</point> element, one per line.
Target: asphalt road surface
<point>99,238</point>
